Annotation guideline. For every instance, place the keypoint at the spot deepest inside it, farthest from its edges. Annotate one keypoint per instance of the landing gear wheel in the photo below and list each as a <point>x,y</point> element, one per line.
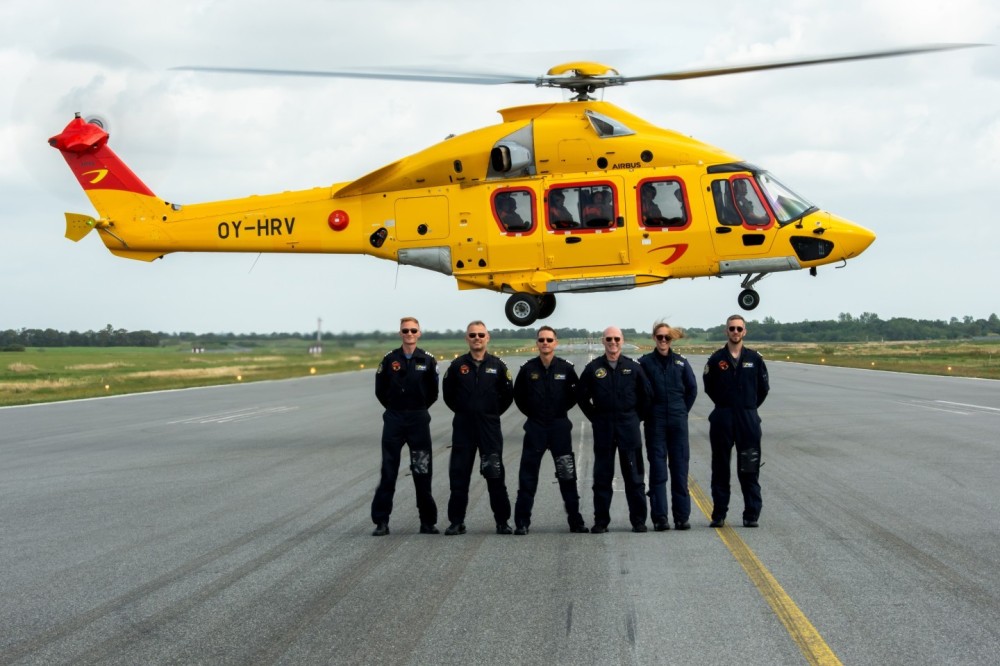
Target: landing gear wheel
<point>749,299</point>
<point>546,305</point>
<point>522,309</point>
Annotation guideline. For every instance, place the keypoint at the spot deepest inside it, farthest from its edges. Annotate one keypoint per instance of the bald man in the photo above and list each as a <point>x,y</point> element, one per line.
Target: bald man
<point>615,395</point>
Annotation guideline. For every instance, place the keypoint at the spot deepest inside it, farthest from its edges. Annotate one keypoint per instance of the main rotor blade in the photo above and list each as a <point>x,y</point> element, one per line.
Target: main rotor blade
<point>740,69</point>
<point>386,75</point>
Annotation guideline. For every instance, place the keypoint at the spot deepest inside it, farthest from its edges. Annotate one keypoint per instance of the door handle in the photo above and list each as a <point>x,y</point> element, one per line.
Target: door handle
<point>573,239</point>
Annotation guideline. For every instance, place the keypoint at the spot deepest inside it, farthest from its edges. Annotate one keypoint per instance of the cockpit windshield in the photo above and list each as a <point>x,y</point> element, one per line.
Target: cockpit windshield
<point>787,206</point>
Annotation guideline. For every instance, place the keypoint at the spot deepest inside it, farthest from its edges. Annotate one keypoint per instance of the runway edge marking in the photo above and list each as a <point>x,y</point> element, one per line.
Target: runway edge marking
<point>813,647</point>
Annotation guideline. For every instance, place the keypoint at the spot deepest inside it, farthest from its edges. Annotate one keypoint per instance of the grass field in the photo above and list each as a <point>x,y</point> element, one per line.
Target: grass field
<point>50,374</point>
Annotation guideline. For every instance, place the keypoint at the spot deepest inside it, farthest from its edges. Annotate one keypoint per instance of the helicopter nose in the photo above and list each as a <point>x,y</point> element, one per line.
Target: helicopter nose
<point>853,238</point>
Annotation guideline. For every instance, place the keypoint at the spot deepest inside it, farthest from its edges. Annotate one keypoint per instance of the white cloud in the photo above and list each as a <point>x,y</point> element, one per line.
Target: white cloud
<point>905,146</point>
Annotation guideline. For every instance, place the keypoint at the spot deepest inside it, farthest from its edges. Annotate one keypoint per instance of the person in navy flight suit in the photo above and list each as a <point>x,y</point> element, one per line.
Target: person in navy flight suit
<point>544,391</point>
<point>666,428</point>
<point>615,395</point>
<point>477,387</point>
<point>736,381</point>
<point>406,384</point>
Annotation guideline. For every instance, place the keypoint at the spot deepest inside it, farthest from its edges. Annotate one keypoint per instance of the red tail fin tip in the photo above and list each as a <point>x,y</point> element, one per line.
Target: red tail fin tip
<point>96,167</point>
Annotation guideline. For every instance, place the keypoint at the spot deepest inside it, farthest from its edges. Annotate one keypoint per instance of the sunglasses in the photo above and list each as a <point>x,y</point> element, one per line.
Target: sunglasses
<point>408,331</point>
<point>663,338</point>
<point>550,340</point>
<point>477,335</point>
<point>736,328</point>
<point>611,339</point>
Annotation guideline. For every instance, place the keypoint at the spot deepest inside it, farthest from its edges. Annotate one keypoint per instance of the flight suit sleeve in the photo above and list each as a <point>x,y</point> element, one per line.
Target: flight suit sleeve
<point>449,388</point>
<point>711,381</point>
<point>430,382</point>
<point>505,388</point>
<point>763,383</point>
<point>584,395</point>
<point>572,382</point>
<point>643,393</point>
<point>382,383</point>
<point>690,386</point>
<point>522,391</point>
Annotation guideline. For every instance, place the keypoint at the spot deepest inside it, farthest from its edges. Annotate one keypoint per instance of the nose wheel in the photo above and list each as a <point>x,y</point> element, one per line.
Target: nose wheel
<point>523,309</point>
<point>748,299</point>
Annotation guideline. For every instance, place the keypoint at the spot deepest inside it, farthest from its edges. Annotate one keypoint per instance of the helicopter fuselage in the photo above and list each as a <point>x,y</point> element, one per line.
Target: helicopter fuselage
<point>558,198</point>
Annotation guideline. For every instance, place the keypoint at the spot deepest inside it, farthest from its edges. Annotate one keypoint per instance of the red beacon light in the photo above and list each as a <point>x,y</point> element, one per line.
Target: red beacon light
<point>338,220</point>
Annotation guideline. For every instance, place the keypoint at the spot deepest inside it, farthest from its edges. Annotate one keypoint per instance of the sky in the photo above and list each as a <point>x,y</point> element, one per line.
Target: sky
<point>907,147</point>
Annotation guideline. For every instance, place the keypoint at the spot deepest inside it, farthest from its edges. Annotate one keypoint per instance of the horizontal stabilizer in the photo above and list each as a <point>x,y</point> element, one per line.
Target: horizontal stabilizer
<point>78,226</point>
<point>138,255</point>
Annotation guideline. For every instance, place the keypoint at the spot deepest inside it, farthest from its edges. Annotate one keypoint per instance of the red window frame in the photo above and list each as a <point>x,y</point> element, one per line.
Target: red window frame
<point>685,202</point>
<point>771,219</point>
<point>585,230</point>
<point>496,216</point>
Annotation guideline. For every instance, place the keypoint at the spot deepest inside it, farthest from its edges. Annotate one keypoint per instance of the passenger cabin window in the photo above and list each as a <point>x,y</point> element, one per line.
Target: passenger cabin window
<point>581,207</point>
<point>514,210</point>
<point>737,203</point>
<point>662,204</point>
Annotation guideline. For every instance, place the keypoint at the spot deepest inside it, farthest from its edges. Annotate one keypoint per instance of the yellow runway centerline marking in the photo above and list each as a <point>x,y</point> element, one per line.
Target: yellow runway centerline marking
<point>802,631</point>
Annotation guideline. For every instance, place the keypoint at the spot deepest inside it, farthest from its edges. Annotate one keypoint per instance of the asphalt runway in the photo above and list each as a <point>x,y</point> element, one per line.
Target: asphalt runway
<point>231,525</point>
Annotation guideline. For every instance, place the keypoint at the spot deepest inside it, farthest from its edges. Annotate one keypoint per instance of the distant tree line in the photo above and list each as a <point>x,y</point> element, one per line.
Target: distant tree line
<point>869,328</point>
<point>11,340</point>
<point>846,328</point>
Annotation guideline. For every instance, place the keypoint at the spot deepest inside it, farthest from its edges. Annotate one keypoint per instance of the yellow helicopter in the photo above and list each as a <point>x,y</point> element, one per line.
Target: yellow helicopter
<point>574,196</point>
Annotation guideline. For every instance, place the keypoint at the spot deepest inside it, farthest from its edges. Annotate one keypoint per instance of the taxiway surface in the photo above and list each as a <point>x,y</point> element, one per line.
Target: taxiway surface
<point>231,525</point>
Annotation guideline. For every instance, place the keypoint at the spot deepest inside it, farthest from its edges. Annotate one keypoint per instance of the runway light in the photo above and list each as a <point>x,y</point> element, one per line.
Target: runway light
<point>312,371</point>
<point>362,366</point>
<point>822,360</point>
<point>873,364</point>
<point>239,378</point>
<point>107,387</point>
<point>949,368</point>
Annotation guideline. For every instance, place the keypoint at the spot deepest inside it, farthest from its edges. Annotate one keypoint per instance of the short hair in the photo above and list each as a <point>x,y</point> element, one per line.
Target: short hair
<point>546,327</point>
<point>476,323</point>
<point>403,320</point>
<point>736,316</point>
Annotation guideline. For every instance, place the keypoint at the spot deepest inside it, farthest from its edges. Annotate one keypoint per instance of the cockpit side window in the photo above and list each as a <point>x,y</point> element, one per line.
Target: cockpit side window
<point>663,204</point>
<point>581,207</point>
<point>749,204</point>
<point>514,211</point>
<point>725,207</point>
<point>737,203</point>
